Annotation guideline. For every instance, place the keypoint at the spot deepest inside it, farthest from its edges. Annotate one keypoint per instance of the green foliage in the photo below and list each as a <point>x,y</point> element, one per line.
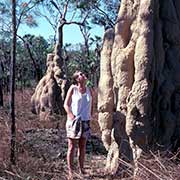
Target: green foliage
<point>39,49</point>
<point>25,72</point>
<point>4,8</point>
<point>78,61</point>
<point>86,4</point>
<point>5,48</point>
<point>25,14</point>
<point>5,16</point>
<point>106,13</point>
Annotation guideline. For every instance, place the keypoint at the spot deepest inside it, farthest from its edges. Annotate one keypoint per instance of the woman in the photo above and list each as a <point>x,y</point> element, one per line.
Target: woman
<point>78,103</point>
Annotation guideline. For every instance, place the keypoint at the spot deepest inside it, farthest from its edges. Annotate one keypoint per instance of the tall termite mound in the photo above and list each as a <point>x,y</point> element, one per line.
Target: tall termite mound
<point>50,91</point>
<point>139,95</point>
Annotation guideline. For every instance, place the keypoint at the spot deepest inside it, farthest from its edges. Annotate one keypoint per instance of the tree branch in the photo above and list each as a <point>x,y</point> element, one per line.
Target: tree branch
<point>112,24</point>
<point>56,6</point>
<point>75,22</point>
<point>65,9</point>
<point>24,11</point>
<point>30,53</point>
<point>73,15</point>
<point>54,26</point>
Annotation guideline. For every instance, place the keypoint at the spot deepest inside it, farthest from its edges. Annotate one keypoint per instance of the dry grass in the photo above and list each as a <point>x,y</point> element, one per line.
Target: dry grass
<point>30,167</point>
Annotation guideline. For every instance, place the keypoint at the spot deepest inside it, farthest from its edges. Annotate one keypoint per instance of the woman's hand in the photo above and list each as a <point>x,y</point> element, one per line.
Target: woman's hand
<point>70,116</point>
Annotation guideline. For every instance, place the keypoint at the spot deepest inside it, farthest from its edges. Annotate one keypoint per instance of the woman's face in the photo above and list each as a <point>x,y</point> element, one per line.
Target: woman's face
<point>81,77</point>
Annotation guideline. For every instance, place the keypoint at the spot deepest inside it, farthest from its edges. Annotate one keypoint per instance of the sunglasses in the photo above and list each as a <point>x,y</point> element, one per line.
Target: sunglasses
<point>80,74</point>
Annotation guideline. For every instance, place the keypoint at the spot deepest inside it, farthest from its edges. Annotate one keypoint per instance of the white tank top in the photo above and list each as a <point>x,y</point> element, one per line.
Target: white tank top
<point>81,104</point>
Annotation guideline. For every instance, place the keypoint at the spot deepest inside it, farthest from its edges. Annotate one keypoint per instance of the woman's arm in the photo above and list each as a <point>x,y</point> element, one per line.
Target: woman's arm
<point>67,103</point>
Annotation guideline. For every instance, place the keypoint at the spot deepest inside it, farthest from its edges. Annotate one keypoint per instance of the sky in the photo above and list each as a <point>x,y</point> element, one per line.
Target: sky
<point>72,32</point>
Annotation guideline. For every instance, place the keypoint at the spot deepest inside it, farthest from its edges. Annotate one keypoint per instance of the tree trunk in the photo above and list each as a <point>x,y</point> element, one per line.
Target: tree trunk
<point>12,82</point>
<point>1,84</point>
<point>59,44</point>
<point>143,62</point>
<point>1,94</point>
<point>37,68</point>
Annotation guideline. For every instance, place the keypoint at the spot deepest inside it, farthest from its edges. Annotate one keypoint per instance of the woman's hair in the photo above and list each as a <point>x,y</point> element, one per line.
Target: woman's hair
<point>74,77</point>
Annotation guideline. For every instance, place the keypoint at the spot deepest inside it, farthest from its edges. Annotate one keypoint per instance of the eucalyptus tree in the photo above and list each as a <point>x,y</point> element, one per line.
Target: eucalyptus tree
<point>25,15</point>
<point>78,60</point>
<point>12,82</point>
<point>5,27</point>
<point>5,62</point>
<point>1,89</point>
<point>85,30</point>
<point>61,13</point>
<point>31,59</point>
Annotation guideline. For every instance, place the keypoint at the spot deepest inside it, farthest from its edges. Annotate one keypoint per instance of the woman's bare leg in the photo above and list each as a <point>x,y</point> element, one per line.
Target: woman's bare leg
<point>70,155</point>
<point>81,153</point>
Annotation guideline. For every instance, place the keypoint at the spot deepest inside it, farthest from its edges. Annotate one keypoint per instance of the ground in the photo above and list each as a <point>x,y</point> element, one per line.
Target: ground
<point>41,147</point>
